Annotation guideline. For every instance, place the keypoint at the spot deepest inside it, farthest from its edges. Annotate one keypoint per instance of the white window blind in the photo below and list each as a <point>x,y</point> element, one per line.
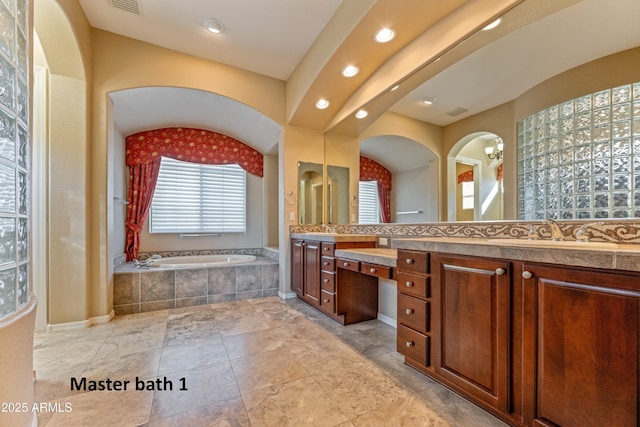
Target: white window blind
<point>468,198</point>
<point>196,198</point>
<point>369,206</point>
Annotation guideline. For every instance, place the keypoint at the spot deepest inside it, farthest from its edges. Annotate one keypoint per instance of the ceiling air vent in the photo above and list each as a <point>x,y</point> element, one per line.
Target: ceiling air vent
<point>132,6</point>
<point>457,111</point>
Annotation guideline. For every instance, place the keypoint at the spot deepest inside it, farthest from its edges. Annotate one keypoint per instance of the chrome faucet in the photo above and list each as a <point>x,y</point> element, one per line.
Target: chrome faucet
<point>556,232</point>
<point>582,235</point>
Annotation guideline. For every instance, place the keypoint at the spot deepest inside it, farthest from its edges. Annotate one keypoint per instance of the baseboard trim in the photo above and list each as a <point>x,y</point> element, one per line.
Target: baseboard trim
<point>388,320</point>
<point>287,295</point>
<point>82,324</point>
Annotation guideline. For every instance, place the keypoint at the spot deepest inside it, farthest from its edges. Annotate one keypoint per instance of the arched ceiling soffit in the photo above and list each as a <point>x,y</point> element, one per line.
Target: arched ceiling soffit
<point>396,153</point>
<point>145,108</point>
<point>58,40</point>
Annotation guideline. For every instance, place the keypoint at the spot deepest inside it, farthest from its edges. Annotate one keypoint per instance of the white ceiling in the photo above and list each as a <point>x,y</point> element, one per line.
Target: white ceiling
<point>270,37</point>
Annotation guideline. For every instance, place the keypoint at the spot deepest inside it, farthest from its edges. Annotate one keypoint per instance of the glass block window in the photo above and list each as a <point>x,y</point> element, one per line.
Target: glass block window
<point>581,159</point>
<point>15,163</point>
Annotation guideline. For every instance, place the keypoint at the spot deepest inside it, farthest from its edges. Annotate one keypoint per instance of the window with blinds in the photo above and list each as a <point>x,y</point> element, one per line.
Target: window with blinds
<point>369,206</point>
<point>197,198</point>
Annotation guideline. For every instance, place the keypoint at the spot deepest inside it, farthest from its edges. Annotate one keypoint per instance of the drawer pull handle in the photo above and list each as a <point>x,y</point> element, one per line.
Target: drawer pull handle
<point>373,270</point>
<point>325,280</point>
<point>409,311</point>
<point>346,264</point>
<point>527,274</point>
<point>500,271</point>
<point>409,284</point>
<point>409,261</point>
<point>409,344</point>
<point>326,300</point>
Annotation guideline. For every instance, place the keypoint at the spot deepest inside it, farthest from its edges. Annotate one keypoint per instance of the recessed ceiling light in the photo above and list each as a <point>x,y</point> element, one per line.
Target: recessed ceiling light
<point>350,71</point>
<point>492,25</point>
<point>213,26</point>
<point>322,104</point>
<point>428,101</point>
<point>384,35</point>
<point>361,114</point>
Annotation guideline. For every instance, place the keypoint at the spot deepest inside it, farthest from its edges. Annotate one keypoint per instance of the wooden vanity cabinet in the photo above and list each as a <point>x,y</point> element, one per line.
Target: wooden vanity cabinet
<point>471,327</point>
<point>580,346</point>
<point>314,279</point>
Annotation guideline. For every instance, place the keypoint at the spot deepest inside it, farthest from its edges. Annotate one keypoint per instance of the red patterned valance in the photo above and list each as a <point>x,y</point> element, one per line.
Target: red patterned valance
<point>499,172</point>
<point>465,177</point>
<point>370,170</point>
<point>192,145</point>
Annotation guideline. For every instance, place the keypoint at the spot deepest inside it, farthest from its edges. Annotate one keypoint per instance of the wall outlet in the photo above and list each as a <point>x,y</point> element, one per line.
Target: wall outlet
<point>382,241</point>
<point>292,216</point>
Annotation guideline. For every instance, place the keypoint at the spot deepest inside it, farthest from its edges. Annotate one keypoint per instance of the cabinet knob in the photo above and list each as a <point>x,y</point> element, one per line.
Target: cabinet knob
<point>325,300</point>
<point>527,274</point>
<point>325,263</point>
<point>409,261</point>
<point>409,311</point>
<point>346,264</point>
<point>372,270</point>
<point>500,271</point>
<point>325,280</point>
<point>325,248</point>
<point>408,284</point>
<point>409,344</point>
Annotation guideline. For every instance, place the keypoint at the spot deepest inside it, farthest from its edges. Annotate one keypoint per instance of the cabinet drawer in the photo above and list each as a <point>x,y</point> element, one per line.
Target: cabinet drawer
<point>328,263</point>
<point>327,301</point>
<point>413,345</point>
<point>375,270</point>
<point>412,284</point>
<point>328,249</point>
<point>413,261</point>
<point>349,264</point>
<point>328,281</point>
<point>413,312</point>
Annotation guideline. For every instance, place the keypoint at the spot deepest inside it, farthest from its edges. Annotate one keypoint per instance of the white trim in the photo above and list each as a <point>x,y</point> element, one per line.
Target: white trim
<point>40,203</point>
<point>288,295</point>
<point>83,324</point>
<point>388,320</point>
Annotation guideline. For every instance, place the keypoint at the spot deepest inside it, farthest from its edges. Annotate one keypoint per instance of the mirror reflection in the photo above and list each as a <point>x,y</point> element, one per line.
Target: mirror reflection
<point>310,194</point>
<point>337,195</point>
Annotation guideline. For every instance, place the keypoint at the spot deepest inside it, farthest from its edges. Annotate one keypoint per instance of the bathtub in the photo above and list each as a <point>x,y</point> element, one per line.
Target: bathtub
<point>200,261</point>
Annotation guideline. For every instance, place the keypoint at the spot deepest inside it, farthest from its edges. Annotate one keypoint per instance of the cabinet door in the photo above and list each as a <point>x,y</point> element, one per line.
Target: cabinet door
<point>583,338</point>
<point>312,271</point>
<point>471,299</point>
<point>297,266</point>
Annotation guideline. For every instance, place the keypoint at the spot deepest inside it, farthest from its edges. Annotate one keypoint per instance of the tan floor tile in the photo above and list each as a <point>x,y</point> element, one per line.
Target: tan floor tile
<point>324,354</point>
<point>192,355</point>
<point>143,364</point>
<point>359,388</point>
<point>105,408</point>
<point>267,369</point>
<point>242,345</point>
<point>205,386</point>
<point>297,403</point>
<point>227,413</point>
<point>404,412</point>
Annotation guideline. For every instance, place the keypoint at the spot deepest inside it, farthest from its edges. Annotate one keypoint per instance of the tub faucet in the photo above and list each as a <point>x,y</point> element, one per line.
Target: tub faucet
<point>556,232</point>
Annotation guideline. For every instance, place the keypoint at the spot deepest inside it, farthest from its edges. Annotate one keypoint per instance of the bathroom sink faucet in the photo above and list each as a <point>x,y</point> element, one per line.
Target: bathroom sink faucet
<point>556,232</point>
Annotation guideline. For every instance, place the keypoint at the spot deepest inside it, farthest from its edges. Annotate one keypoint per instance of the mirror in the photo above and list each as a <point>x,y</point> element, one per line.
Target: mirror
<point>310,196</point>
<point>337,195</point>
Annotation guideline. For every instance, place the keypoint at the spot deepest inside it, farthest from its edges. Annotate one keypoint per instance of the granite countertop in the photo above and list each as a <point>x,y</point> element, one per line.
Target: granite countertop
<point>592,254</point>
<point>335,237</point>
<point>380,256</point>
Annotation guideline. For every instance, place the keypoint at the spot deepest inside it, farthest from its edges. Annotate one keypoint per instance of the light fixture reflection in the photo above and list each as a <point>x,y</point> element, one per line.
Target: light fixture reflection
<point>322,104</point>
<point>384,35</point>
<point>361,114</point>
<point>350,71</point>
<point>495,151</point>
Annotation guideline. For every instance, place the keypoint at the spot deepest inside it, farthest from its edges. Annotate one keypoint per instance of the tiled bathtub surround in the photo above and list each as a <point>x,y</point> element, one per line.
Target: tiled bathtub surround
<point>265,252</point>
<point>141,290</point>
<point>618,231</point>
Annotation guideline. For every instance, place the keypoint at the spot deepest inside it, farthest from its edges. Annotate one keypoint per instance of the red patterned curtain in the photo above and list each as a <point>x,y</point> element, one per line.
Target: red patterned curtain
<point>192,145</point>
<point>143,156</point>
<point>142,184</point>
<point>370,170</point>
<point>465,177</point>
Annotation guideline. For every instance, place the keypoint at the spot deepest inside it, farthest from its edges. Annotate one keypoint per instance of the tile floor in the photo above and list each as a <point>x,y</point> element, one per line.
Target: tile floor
<point>261,362</point>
